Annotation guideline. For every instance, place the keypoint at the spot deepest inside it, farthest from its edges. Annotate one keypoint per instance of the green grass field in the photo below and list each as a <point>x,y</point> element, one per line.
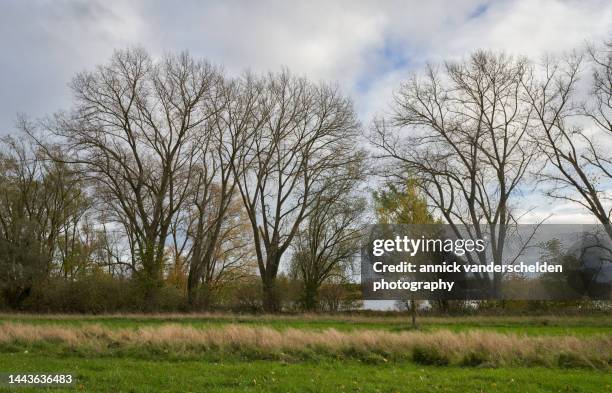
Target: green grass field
<point>157,371</point>
<point>532,325</point>
<point>130,375</point>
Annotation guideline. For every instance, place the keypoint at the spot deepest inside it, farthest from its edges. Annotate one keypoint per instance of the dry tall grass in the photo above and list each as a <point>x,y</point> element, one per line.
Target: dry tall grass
<point>439,347</point>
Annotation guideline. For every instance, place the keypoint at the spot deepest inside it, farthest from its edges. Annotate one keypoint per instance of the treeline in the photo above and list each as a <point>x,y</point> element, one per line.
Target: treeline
<point>170,174</point>
<point>170,185</point>
<point>484,137</point>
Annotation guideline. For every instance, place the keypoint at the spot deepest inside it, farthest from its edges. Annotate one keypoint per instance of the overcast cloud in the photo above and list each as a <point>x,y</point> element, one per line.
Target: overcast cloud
<point>366,46</point>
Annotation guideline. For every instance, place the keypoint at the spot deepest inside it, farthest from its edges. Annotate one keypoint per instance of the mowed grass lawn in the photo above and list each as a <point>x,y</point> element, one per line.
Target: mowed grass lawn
<point>127,371</point>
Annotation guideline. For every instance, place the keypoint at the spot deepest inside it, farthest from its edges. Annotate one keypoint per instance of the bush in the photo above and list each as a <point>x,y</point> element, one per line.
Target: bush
<point>430,356</point>
<point>571,360</point>
<point>97,293</point>
<point>171,298</point>
<point>334,297</point>
<point>474,359</point>
<point>244,297</point>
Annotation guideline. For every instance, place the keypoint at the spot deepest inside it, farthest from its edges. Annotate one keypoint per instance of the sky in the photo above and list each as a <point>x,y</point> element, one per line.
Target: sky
<point>367,47</point>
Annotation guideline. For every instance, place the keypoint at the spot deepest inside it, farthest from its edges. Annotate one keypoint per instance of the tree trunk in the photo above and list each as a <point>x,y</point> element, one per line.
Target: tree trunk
<point>204,296</point>
<point>150,289</point>
<point>150,277</point>
<point>151,281</point>
<point>413,313</point>
<point>497,285</point>
<point>309,301</point>
<point>192,290</point>
<point>270,295</point>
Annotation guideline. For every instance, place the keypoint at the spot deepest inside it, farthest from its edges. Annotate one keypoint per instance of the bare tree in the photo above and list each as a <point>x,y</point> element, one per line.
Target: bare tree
<point>133,132</point>
<point>574,133</point>
<point>41,206</point>
<point>214,218</point>
<point>302,134</point>
<point>462,129</point>
<point>330,238</point>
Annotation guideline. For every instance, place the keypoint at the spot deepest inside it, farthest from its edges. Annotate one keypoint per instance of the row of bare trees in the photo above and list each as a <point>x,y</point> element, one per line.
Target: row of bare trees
<point>170,167</point>
<point>482,134</point>
<point>183,165</point>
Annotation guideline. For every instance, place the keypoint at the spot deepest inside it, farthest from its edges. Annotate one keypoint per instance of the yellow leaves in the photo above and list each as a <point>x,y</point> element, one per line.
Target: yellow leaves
<point>402,205</point>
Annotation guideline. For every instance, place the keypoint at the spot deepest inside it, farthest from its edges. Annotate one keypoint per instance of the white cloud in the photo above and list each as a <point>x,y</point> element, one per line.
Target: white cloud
<point>367,47</point>
<point>46,43</point>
